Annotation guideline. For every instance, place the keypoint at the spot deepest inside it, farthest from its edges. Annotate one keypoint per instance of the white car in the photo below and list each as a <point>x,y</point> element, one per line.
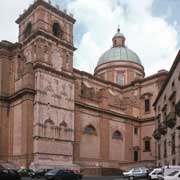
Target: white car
<point>136,173</point>
<point>166,170</point>
<point>154,174</point>
<point>172,176</point>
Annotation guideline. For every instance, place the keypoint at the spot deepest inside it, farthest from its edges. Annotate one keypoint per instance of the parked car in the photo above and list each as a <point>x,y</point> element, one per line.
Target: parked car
<point>175,175</point>
<point>166,170</point>
<point>40,173</point>
<point>153,175</point>
<point>136,173</point>
<point>77,173</point>
<point>61,174</point>
<point>9,174</point>
<point>26,172</point>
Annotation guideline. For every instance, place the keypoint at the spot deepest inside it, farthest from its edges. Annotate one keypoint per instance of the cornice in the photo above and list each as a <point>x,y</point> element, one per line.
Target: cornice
<point>48,36</point>
<point>39,65</point>
<point>112,113</point>
<point>98,68</point>
<point>140,81</point>
<point>47,6</point>
<point>17,95</point>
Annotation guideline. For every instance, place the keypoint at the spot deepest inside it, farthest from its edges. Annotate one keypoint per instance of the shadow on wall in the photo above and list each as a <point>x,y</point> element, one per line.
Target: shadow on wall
<point>101,171</point>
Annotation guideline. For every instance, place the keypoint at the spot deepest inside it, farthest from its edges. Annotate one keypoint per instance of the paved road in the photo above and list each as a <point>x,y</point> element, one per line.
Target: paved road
<point>89,178</point>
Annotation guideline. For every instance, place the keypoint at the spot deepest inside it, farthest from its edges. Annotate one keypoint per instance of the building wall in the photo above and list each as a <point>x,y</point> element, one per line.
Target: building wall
<point>108,108</point>
<point>164,104</point>
<point>53,119</point>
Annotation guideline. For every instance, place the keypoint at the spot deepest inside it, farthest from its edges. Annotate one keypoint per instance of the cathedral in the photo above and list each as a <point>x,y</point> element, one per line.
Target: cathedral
<point>54,115</point>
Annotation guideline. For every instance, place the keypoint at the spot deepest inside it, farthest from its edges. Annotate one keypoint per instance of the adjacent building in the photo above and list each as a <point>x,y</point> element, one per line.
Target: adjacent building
<point>167,107</point>
<point>53,115</point>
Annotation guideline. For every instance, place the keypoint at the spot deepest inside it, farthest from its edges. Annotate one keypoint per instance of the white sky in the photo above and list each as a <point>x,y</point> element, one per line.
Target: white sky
<point>151,37</point>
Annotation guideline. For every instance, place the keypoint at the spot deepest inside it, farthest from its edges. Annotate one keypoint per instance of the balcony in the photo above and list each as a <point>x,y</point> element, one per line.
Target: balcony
<point>171,119</point>
<point>156,134</point>
<point>162,128</point>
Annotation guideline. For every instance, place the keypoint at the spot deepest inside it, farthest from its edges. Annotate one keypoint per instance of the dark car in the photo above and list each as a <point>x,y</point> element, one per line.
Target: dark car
<point>79,176</point>
<point>61,174</point>
<point>9,174</point>
<point>40,173</point>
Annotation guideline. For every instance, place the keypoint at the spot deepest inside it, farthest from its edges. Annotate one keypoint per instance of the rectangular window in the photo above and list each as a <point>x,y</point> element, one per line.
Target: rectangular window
<point>159,151</point>
<point>120,79</point>
<point>147,105</point>
<point>136,130</point>
<point>136,156</point>
<point>173,144</point>
<point>147,145</point>
<point>165,150</point>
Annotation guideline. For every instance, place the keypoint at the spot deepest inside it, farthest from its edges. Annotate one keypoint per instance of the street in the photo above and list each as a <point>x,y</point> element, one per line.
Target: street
<point>90,178</point>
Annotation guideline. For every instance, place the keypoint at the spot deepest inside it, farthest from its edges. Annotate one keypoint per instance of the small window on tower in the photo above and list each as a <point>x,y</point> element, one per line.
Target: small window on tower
<point>147,105</point>
<point>57,30</point>
<point>28,30</point>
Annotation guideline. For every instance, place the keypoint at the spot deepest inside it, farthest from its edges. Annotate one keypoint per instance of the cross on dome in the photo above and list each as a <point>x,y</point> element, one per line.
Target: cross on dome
<point>118,30</point>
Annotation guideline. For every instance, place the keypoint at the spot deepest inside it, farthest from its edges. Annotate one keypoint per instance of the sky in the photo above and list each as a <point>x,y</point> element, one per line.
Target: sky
<point>151,28</point>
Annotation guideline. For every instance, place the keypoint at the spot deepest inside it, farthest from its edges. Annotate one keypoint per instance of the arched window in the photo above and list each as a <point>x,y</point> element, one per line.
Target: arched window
<point>57,30</point>
<point>49,122</point>
<point>117,135</point>
<point>48,128</point>
<point>63,123</point>
<point>28,30</point>
<point>90,130</point>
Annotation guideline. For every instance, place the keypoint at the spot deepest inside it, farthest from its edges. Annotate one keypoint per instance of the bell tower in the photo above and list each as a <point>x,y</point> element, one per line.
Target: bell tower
<point>46,33</point>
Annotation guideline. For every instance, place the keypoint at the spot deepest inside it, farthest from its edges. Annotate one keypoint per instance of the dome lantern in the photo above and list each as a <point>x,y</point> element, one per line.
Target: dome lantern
<point>118,39</point>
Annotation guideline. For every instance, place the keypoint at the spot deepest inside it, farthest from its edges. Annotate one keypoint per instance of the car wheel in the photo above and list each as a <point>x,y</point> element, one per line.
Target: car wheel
<point>131,178</point>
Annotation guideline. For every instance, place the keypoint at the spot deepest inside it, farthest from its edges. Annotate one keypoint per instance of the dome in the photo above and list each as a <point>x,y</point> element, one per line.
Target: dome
<point>119,53</point>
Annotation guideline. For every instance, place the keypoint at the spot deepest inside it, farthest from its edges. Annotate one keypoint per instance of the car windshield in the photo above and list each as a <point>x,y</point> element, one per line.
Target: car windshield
<point>129,170</point>
<point>53,171</point>
<point>173,173</point>
<point>12,171</point>
<point>41,170</point>
<point>156,172</point>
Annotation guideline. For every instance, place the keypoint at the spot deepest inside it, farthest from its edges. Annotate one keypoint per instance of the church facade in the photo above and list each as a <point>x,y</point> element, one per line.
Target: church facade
<point>53,115</point>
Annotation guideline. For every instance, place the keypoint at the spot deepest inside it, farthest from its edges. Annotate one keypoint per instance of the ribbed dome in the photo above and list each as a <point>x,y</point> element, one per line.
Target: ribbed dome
<point>119,53</point>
